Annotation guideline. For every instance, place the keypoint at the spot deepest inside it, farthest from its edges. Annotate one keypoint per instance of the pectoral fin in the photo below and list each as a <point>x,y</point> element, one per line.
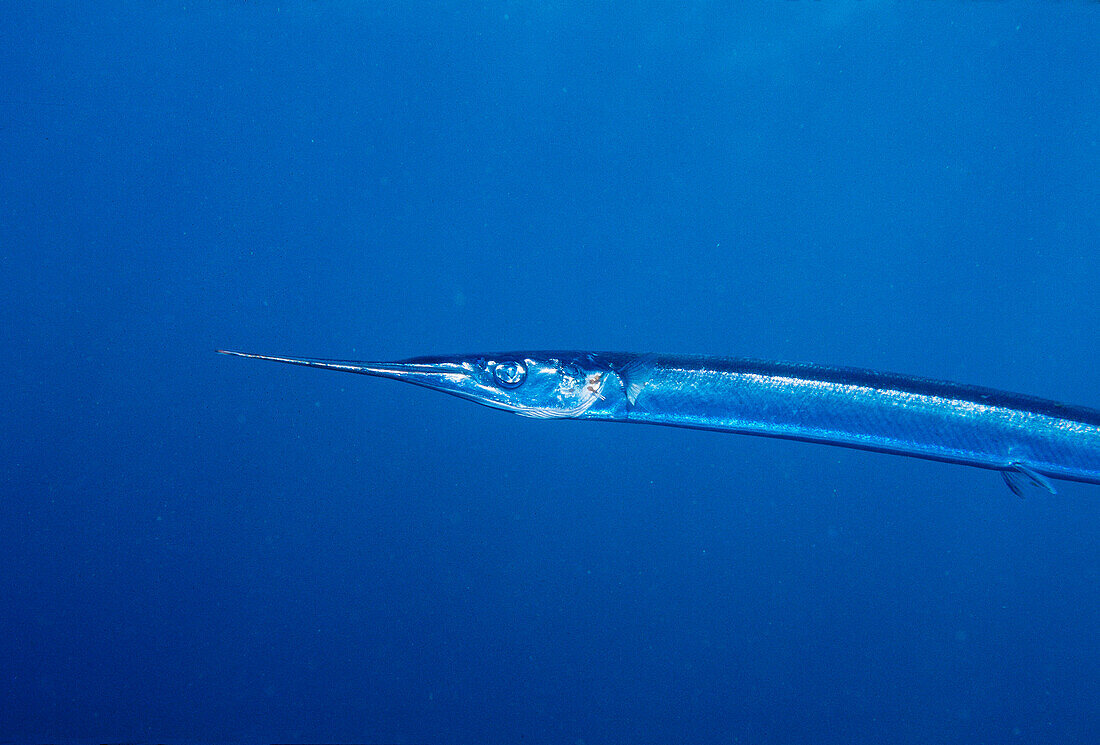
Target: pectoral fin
<point>635,374</point>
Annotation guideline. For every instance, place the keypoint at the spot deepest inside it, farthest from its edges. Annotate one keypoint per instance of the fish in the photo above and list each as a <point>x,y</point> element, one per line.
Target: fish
<point>1029,440</point>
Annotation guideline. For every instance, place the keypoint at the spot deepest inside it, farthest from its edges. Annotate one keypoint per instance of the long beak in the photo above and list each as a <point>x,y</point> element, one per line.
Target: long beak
<point>432,375</point>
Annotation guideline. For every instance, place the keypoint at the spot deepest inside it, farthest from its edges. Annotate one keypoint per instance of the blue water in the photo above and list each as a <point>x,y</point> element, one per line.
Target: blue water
<point>195,548</point>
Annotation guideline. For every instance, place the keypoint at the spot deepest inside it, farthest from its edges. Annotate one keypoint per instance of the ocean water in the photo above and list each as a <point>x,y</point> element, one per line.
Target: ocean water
<point>195,548</point>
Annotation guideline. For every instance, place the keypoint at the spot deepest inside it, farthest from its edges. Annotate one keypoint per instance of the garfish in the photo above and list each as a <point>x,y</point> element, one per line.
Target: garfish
<point>1029,440</point>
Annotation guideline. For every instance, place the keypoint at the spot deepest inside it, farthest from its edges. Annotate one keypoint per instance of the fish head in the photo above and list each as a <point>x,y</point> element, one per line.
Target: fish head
<point>545,385</point>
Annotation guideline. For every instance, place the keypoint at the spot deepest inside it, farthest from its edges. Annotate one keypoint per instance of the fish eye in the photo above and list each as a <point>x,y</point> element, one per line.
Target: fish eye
<point>510,374</point>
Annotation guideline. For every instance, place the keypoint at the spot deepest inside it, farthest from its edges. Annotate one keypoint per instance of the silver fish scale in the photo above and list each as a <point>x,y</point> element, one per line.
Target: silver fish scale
<point>873,411</point>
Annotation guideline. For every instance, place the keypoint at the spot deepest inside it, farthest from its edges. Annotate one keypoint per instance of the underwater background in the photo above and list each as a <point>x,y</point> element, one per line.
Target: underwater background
<point>195,548</point>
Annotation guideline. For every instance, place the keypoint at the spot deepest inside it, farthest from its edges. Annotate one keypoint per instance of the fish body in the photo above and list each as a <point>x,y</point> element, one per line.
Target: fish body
<point>1029,440</point>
